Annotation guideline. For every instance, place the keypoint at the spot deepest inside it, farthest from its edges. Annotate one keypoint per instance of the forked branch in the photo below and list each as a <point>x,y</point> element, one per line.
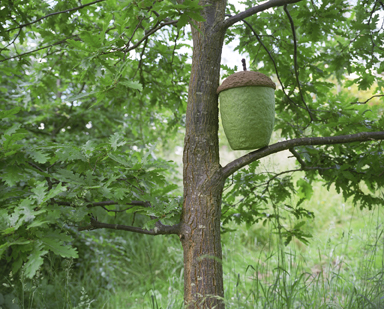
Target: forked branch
<point>148,34</point>
<point>256,9</point>
<point>235,165</point>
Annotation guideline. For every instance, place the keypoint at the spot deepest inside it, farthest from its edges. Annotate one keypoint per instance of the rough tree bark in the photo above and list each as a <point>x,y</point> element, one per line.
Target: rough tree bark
<point>200,226</point>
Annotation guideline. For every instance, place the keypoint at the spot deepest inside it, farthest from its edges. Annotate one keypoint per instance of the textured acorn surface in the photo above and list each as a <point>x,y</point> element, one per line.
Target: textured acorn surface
<point>248,116</point>
<point>246,78</point>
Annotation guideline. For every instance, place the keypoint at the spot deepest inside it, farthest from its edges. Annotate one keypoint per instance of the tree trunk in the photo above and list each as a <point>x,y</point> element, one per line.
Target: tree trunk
<point>200,228</point>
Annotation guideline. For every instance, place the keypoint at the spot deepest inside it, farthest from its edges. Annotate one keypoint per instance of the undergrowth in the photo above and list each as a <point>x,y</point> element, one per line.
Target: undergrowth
<point>342,267</point>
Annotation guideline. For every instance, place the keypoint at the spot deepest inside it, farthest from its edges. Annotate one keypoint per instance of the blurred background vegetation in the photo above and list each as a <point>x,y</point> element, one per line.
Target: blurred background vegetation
<point>341,267</point>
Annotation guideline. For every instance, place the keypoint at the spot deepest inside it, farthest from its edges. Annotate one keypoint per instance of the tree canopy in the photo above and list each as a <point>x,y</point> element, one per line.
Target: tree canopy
<point>90,89</point>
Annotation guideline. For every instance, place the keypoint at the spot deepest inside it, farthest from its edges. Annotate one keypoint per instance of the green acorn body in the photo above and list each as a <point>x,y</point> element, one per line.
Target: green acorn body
<point>247,108</point>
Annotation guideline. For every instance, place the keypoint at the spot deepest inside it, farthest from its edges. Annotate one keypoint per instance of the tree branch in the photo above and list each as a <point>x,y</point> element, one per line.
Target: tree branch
<point>141,58</point>
<point>274,64</point>
<point>235,165</point>
<point>309,168</point>
<point>116,211</point>
<point>296,66</point>
<point>297,156</point>
<point>52,14</point>
<point>366,101</point>
<point>133,34</point>
<point>13,41</point>
<point>108,203</point>
<point>256,9</point>
<point>147,34</point>
<point>160,229</point>
<point>36,50</point>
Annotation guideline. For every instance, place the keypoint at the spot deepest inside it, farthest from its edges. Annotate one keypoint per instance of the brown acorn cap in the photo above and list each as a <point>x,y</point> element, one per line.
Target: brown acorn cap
<point>246,78</point>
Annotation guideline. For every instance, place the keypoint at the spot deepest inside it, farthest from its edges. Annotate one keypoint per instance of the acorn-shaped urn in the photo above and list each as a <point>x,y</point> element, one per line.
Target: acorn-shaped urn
<point>247,108</point>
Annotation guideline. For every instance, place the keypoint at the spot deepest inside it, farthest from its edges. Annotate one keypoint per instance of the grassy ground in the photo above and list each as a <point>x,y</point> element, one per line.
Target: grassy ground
<point>342,267</point>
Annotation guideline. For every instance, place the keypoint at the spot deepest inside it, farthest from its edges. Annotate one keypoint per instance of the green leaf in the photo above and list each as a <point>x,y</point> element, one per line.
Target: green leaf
<point>132,84</point>
<point>167,189</point>
<point>80,96</point>
<point>195,16</point>
<point>183,20</point>
<point>12,129</point>
<point>88,149</point>
<point>40,192</point>
<point>56,191</point>
<point>305,189</point>
<point>299,225</point>
<point>11,175</point>
<point>70,176</point>
<point>35,260</point>
<point>39,156</point>
<point>117,140</point>
<point>6,245</point>
<point>10,141</point>
<point>58,248</point>
<point>27,209</point>
<point>119,160</point>
<point>77,45</point>
<point>10,112</point>
<point>3,247</point>
<point>69,153</point>
<point>90,39</point>
<point>349,175</point>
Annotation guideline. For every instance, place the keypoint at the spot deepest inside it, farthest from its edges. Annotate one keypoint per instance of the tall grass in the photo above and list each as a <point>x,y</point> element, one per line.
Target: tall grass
<point>342,267</point>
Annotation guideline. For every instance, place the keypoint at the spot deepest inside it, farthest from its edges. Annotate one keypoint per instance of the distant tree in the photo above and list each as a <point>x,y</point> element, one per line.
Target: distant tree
<point>88,89</point>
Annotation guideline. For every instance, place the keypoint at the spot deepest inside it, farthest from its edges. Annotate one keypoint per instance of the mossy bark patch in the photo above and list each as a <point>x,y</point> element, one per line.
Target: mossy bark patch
<point>248,116</point>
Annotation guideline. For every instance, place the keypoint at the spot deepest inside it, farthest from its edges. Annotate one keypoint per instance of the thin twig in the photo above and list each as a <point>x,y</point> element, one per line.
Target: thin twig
<point>297,156</point>
<point>295,62</point>
<point>48,179</point>
<point>173,55</point>
<point>160,229</point>
<point>133,33</point>
<point>107,203</point>
<point>52,14</point>
<point>375,96</point>
<point>274,63</point>
<point>36,50</point>
<point>13,41</point>
<point>141,58</point>
<point>36,167</point>
<point>149,33</point>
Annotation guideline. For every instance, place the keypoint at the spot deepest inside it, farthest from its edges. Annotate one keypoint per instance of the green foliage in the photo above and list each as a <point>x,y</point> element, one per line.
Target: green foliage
<point>58,183</point>
<point>337,48</point>
<point>344,263</point>
<point>90,94</point>
<point>81,118</point>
